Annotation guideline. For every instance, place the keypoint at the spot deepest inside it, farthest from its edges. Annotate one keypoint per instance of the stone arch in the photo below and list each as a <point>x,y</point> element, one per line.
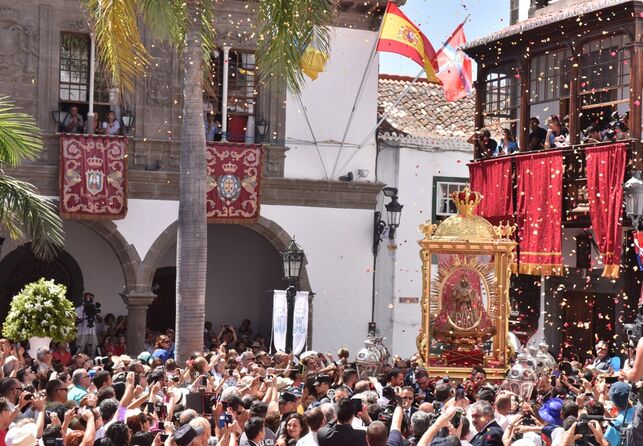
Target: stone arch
<point>20,267</point>
<point>125,252</point>
<point>270,230</point>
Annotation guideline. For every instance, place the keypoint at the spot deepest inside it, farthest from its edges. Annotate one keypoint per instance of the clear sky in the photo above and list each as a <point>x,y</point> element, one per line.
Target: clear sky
<point>438,18</point>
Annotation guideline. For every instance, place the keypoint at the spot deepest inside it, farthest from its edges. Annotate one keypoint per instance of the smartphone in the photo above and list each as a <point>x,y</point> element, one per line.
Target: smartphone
<point>150,407</point>
<point>455,421</point>
<point>59,442</point>
<point>611,379</point>
<point>357,405</point>
<point>164,437</point>
<point>222,421</point>
<point>204,381</point>
<point>162,411</point>
<point>224,404</point>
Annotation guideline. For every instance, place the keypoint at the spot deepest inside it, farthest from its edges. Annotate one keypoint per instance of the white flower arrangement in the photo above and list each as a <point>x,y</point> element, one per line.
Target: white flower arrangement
<point>41,309</point>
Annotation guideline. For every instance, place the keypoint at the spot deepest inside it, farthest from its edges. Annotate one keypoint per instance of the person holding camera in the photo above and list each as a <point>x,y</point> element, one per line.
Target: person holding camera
<point>633,375</point>
<point>86,317</point>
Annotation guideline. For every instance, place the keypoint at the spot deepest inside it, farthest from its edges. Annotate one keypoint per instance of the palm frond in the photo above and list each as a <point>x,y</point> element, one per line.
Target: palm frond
<point>19,135</point>
<point>118,40</point>
<point>288,27</point>
<point>165,19</point>
<point>24,213</point>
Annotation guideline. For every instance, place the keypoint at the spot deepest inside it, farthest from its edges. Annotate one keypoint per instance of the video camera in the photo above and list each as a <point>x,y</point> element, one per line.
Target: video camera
<point>634,330</point>
<point>90,308</point>
<point>616,123</point>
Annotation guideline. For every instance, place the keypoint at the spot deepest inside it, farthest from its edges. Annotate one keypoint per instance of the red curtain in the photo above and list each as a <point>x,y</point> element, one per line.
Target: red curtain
<point>605,172</point>
<point>539,179</point>
<point>492,178</point>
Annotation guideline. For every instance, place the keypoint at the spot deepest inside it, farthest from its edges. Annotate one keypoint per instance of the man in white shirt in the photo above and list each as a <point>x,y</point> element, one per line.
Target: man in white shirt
<point>315,419</point>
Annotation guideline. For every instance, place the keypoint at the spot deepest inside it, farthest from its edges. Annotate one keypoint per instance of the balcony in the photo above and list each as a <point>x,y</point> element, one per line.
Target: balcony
<point>575,200</point>
<point>153,173</point>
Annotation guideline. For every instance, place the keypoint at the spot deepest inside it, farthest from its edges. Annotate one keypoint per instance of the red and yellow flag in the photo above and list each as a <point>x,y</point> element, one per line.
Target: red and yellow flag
<point>399,35</point>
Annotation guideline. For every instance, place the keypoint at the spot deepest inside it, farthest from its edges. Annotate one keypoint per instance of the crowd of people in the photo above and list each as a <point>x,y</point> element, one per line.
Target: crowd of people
<point>556,135</point>
<point>237,393</point>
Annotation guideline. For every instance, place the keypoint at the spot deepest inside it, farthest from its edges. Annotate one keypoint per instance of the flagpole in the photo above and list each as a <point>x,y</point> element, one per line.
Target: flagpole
<point>360,90</point>
<point>406,90</point>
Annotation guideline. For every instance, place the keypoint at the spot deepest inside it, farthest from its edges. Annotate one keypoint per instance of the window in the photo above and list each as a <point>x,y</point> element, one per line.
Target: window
<point>549,79</point>
<point>502,98</point>
<point>604,78</point>
<point>443,187</point>
<point>241,91</point>
<point>74,71</point>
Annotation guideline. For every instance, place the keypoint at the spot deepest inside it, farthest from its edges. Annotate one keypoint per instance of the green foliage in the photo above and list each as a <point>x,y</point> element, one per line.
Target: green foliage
<point>41,309</point>
<point>23,213</point>
<point>288,27</point>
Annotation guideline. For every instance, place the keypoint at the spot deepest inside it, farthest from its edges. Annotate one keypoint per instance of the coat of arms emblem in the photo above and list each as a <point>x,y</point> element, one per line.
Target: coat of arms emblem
<point>408,34</point>
<point>95,179</point>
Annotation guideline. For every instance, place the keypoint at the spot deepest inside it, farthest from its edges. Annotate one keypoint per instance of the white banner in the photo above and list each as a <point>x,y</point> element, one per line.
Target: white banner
<point>300,322</point>
<point>279,320</point>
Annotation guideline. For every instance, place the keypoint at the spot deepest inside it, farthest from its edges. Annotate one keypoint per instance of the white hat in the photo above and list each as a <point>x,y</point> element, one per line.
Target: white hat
<point>24,435</point>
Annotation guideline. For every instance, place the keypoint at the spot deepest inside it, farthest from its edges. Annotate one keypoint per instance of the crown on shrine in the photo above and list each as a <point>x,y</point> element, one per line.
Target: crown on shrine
<point>94,162</point>
<point>229,168</point>
<point>466,200</point>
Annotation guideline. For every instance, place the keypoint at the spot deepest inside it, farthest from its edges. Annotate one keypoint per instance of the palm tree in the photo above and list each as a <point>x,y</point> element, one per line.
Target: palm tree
<point>288,27</point>
<point>23,213</point>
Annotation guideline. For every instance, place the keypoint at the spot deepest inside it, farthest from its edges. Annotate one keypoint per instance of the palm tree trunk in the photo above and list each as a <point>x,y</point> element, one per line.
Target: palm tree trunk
<point>192,235</point>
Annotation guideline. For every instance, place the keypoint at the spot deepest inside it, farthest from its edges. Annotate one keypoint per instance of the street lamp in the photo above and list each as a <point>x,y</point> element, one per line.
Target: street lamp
<point>263,127</point>
<point>128,121</point>
<point>633,189</point>
<point>393,214</point>
<point>60,117</point>
<point>373,356</point>
<point>292,259</point>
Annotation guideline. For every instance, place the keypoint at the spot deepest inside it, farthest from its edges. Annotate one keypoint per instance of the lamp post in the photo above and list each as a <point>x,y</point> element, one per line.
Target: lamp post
<point>633,189</point>
<point>393,214</point>
<point>292,260</point>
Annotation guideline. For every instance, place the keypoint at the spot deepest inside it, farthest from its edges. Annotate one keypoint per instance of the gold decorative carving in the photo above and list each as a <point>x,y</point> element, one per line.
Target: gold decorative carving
<point>465,298</point>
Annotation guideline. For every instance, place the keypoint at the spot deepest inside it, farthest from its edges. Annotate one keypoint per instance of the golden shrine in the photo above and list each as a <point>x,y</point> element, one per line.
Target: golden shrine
<point>466,267</point>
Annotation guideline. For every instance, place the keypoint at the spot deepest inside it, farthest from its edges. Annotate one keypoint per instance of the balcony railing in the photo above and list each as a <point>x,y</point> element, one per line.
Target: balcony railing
<point>575,199</point>
<point>161,155</point>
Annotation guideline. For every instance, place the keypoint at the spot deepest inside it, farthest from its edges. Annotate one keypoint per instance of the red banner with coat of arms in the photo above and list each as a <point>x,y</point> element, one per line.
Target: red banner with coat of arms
<point>93,177</point>
<point>234,182</point>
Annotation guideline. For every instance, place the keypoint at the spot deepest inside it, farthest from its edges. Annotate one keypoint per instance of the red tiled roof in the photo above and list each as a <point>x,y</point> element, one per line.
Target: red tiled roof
<point>424,111</point>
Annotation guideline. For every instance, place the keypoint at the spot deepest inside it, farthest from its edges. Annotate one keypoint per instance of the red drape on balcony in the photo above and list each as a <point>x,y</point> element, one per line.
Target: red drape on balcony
<point>234,182</point>
<point>492,178</point>
<point>605,172</point>
<point>93,177</point>
<point>539,179</point>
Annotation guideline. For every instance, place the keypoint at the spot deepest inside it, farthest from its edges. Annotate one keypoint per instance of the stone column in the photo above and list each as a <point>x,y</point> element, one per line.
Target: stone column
<point>137,304</point>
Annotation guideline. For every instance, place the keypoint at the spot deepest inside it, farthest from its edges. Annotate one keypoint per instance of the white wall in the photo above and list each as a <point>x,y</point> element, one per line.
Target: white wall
<point>145,221</point>
<point>417,169</point>
<point>337,244</point>
<point>328,101</point>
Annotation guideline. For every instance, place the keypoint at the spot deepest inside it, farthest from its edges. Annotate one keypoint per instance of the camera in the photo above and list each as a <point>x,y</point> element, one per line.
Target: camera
<point>615,124</point>
<point>90,308</point>
<point>634,330</point>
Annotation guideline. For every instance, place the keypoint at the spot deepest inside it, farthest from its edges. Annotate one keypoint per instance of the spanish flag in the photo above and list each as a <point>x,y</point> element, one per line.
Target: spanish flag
<point>399,35</point>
